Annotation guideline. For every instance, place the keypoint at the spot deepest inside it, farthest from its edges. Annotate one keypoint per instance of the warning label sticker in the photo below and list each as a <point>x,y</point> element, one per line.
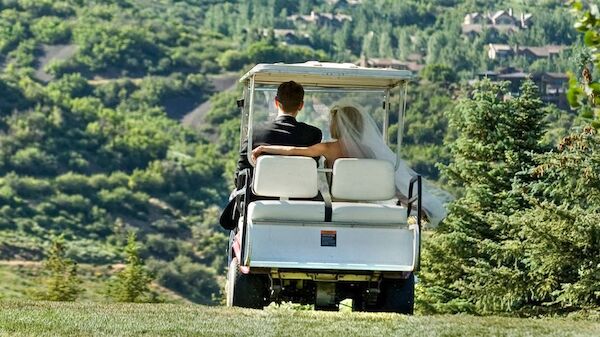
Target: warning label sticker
<point>328,238</point>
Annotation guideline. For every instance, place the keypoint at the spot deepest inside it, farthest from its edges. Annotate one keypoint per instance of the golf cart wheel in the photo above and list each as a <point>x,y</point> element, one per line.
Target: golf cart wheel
<point>398,295</point>
<point>245,290</point>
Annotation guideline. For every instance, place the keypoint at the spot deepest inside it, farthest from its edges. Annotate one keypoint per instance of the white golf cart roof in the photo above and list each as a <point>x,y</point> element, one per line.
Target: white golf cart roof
<point>323,74</point>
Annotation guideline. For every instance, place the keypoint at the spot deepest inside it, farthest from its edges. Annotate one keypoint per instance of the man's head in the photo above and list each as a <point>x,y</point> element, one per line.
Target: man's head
<point>290,98</point>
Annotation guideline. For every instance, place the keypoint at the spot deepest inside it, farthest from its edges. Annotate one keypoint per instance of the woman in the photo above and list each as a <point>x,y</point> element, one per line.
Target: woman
<point>355,135</point>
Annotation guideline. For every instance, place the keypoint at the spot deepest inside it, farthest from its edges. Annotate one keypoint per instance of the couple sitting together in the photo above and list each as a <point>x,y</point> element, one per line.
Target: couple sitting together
<point>355,135</point>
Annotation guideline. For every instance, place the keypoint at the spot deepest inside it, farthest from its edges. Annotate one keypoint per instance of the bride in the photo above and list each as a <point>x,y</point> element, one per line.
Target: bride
<point>356,135</point>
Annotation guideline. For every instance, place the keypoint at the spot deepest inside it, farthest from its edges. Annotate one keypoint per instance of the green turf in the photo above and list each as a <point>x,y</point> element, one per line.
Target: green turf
<point>18,318</point>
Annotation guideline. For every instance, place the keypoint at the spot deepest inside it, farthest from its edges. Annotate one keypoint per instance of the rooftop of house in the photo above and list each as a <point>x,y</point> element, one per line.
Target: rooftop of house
<point>504,47</point>
<point>314,17</point>
<point>540,51</point>
<point>543,51</point>
<point>511,73</point>
<point>470,18</point>
<point>389,63</point>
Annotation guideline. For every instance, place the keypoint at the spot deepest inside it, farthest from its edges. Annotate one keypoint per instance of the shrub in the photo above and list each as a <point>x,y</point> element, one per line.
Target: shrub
<point>192,280</point>
<point>62,282</point>
<point>132,283</point>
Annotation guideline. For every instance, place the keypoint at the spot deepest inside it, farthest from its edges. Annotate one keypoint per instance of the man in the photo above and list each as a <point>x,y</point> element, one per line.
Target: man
<point>284,130</point>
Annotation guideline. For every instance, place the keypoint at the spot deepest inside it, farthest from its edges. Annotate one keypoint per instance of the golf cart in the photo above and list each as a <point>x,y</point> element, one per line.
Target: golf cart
<point>356,242</point>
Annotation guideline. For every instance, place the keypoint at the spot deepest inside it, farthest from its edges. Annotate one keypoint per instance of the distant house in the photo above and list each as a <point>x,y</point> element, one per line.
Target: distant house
<point>289,36</point>
<point>503,21</point>
<point>534,53</point>
<point>415,57</point>
<point>552,86</point>
<point>503,51</point>
<point>476,19</point>
<point>349,2</point>
<point>500,51</point>
<point>389,63</point>
<point>504,18</point>
<point>319,19</point>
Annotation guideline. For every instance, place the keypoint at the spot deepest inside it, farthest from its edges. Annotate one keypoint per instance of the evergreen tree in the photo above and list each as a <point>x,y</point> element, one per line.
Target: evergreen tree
<point>560,233</point>
<point>132,283</point>
<point>473,261</point>
<point>62,283</point>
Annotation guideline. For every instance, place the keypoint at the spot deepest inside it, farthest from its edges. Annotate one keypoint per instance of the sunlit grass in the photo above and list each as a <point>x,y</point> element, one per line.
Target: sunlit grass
<point>24,318</point>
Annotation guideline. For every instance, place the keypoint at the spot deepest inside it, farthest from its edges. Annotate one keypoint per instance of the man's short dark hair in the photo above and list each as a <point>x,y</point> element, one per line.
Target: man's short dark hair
<point>290,95</point>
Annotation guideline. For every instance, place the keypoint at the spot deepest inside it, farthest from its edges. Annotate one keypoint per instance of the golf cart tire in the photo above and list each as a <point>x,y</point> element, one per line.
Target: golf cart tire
<point>245,290</point>
<point>398,295</point>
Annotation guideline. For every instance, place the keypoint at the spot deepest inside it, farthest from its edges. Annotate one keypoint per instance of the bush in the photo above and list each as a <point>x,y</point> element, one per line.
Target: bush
<point>132,283</point>
<point>62,282</point>
<point>72,183</point>
<point>51,30</point>
<point>192,280</point>
<point>34,161</point>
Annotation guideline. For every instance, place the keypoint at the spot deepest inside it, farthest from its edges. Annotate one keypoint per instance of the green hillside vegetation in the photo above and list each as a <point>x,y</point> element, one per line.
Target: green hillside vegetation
<point>95,148</point>
<point>21,281</point>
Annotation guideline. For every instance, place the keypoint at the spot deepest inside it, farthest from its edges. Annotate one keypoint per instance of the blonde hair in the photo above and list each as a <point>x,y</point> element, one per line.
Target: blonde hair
<point>349,114</point>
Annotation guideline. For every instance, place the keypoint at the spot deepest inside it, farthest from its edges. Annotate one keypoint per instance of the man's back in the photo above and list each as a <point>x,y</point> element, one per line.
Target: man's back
<point>284,130</point>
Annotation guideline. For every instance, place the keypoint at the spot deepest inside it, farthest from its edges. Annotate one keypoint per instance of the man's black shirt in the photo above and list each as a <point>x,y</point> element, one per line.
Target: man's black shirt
<point>284,130</point>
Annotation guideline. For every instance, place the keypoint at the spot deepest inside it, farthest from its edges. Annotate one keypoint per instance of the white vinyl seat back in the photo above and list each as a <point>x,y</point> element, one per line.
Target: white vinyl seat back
<point>363,180</point>
<point>285,177</point>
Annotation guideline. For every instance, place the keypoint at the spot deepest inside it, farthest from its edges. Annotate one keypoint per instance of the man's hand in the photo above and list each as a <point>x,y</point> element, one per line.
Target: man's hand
<point>257,152</point>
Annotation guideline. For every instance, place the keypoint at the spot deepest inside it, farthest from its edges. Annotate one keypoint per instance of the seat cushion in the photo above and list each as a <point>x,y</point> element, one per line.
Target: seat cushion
<point>289,210</point>
<point>285,177</point>
<point>368,213</point>
<point>363,180</point>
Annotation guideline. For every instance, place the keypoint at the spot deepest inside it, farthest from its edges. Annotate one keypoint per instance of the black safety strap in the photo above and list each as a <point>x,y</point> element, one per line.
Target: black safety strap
<point>328,211</point>
<point>324,190</point>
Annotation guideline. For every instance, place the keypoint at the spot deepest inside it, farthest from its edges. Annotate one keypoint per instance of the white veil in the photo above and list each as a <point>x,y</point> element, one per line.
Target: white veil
<point>360,137</point>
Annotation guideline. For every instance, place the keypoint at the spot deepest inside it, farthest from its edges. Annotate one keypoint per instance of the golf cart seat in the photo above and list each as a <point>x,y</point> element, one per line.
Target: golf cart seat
<point>356,184</point>
<point>286,177</point>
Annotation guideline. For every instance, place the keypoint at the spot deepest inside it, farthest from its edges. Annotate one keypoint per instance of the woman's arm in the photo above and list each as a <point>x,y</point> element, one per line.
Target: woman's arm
<point>311,151</point>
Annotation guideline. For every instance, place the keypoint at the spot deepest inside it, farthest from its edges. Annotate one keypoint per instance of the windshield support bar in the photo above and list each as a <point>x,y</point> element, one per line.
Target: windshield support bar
<point>401,111</point>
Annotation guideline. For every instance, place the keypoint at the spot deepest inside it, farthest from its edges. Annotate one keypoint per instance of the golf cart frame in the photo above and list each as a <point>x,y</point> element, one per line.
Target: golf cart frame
<point>306,251</point>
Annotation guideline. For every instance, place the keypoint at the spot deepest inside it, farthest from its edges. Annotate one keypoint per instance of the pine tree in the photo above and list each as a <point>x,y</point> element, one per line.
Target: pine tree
<point>472,262</point>
<point>561,231</point>
<point>132,283</point>
<point>62,282</point>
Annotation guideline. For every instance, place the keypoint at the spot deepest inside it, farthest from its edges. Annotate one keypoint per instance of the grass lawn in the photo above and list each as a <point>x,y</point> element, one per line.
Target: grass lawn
<point>23,318</point>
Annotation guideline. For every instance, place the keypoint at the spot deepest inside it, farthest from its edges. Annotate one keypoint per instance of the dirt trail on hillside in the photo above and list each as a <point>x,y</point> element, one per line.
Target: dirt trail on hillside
<point>59,52</point>
<point>20,263</point>
<point>220,83</point>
